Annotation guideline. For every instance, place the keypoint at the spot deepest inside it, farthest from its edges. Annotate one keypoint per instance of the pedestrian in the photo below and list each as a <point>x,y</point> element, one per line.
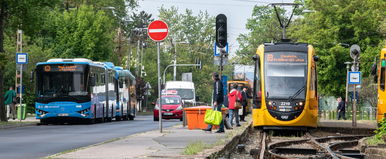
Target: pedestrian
<point>218,99</point>
<point>10,101</point>
<point>244,102</point>
<point>233,96</point>
<point>227,124</point>
<point>341,109</point>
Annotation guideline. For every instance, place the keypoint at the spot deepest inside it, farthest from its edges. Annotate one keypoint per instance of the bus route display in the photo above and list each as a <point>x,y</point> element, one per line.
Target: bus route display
<point>62,68</point>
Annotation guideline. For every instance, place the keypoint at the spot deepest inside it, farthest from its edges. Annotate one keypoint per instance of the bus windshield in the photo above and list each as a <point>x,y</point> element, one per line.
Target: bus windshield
<point>285,75</point>
<point>59,83</point>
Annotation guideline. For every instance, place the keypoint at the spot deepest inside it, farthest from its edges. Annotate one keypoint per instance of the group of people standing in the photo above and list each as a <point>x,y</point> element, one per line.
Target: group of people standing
<point>232,100</point>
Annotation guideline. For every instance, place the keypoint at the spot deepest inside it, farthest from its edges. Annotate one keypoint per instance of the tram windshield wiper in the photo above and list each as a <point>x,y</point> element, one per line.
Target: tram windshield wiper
<point>290,98</point>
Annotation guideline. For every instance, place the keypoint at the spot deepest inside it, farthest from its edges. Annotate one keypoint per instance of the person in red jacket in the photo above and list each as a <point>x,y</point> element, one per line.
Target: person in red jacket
<point>234,95</point>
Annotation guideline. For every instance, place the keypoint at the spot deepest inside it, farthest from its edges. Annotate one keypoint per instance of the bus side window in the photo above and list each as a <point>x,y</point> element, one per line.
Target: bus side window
<point>382,79</point>
<point>103,78</point>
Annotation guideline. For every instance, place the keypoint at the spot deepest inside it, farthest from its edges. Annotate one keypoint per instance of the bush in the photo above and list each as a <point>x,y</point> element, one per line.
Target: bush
<point>381,130</point>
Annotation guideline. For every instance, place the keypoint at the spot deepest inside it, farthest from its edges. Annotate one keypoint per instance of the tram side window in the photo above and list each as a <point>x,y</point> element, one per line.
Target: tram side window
<point>313,80</point>
<point>382,79</point>
<point>257,86</point>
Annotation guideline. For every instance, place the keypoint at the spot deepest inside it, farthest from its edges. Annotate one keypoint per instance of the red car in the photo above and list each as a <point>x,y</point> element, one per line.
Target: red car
<point>171,107</point>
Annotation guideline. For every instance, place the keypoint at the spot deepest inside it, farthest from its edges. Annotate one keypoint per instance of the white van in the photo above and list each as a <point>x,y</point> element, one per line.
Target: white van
<point>185,89</point>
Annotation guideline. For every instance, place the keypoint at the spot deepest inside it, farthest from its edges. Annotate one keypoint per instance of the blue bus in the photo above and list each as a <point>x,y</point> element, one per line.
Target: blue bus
<point>73,89</point>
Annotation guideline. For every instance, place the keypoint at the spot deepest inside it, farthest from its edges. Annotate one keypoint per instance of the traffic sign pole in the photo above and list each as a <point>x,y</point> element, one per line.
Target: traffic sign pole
<point>158,31</point>
<point>159,87</point>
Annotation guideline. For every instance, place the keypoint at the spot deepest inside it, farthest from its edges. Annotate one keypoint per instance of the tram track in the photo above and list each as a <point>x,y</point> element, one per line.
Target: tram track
<point>311,147</point>
<point>314,144</point>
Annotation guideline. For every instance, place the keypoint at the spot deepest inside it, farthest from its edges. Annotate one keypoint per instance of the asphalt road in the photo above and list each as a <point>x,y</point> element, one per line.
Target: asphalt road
<point>45,140</point>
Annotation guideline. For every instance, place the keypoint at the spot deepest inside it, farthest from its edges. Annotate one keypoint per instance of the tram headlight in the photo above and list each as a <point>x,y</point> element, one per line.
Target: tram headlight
<point>301,103</point>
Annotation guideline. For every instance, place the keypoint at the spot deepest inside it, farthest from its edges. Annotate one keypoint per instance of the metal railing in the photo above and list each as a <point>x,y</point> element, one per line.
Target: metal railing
<point>333,115</point>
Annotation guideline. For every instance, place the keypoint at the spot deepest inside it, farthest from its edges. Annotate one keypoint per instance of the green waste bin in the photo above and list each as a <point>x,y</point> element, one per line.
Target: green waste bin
<point>21,111</point>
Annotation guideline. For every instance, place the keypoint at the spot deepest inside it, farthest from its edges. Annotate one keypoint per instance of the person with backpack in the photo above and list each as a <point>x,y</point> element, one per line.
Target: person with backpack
<point>10,101</point>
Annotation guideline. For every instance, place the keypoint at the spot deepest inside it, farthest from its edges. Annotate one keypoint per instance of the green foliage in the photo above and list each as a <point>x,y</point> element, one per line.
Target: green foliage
<point>82,33</point>
<point>263,27</point>
<point>195,147</point>
<point>351,22</point>
<point>190,37</point>
<point>381,131</point>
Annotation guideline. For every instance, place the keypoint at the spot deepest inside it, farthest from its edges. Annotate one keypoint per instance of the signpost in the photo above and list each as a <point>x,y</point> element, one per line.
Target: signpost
<point>21,59</point>
<point>355,78</point>
<point>158,31</point>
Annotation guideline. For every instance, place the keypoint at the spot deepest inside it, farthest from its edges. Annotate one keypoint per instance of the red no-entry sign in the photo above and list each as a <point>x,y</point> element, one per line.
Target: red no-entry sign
<point>157,30</point>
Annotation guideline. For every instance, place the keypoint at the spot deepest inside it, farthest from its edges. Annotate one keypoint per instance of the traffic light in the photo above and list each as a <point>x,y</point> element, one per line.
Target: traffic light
<point>221,30</point>
<point>355,50</point>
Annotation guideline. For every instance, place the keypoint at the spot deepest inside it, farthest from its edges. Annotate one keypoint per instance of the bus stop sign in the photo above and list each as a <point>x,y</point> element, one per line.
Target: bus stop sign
<point>354,78</point>
<point>21,58</point>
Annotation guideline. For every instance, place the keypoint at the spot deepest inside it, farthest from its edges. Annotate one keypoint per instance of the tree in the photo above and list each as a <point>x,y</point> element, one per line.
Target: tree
<point>351,22</point>
<point>82,33</point>
<point>193,36</point>
<point>264,27</point>
<point>26,15</point>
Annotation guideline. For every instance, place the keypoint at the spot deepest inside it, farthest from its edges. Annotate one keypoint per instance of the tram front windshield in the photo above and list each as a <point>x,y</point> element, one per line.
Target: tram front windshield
<point>285,75</point>
<point>61,81</point>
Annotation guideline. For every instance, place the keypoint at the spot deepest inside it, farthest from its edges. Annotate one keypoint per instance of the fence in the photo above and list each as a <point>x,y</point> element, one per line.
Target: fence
<point>333,115</point>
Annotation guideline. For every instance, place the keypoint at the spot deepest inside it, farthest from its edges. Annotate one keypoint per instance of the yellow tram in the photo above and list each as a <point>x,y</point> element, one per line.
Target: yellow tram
<point>285,86</point>
<point>381,112</point>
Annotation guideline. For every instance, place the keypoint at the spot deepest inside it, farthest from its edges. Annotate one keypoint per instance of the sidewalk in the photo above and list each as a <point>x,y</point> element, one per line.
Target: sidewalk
<point>29,121</point>
<point>170,144</point>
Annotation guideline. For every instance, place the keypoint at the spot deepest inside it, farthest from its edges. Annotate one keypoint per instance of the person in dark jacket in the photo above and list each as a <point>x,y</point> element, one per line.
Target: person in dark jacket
<point>341,109</point>
<point>244,102</point>
<point>218,99</point>
<point>9,101</point>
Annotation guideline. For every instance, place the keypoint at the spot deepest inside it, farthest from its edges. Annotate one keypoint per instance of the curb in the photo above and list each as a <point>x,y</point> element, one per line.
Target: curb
<point>17,125</point>
<point>230,145</point>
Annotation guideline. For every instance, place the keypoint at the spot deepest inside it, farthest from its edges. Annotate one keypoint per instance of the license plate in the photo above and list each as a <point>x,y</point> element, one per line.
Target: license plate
<point>168,113</point>
<point>63,114</point>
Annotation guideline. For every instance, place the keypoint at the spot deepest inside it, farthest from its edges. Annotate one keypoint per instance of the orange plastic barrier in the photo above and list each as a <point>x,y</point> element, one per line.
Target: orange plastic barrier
<point>195,117</point>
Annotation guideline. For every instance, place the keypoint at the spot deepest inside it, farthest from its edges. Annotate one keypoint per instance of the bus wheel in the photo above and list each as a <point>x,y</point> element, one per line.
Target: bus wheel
<point>131,117</point>
<point>91,121</point>
<point>118,118</point>
<point>125,117</point>
<point>43,122</point>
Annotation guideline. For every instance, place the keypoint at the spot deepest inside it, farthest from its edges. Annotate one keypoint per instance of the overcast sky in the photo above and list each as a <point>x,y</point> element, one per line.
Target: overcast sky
<point>237,12</point>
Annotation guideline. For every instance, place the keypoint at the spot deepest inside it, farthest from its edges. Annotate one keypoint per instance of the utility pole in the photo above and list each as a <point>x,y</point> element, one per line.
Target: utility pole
<point>347,78</point>
<point>175,62</point>
<point>19,74</point>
